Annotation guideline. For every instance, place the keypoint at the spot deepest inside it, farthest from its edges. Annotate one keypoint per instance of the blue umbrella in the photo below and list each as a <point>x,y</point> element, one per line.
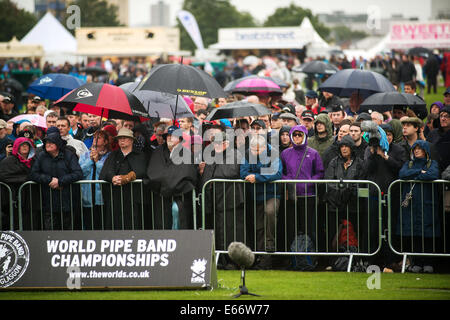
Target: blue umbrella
<point>345,82</point>
<point>54,85</point>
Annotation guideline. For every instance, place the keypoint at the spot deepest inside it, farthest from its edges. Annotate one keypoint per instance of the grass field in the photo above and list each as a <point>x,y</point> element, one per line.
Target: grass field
<point>278,285</point>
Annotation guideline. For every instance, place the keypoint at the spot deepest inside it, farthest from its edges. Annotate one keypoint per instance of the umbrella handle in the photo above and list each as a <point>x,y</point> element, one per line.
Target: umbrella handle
<point>176,107</point>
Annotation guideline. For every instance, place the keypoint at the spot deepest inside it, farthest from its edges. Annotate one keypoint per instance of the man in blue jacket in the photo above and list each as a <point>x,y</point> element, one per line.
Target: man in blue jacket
<point>260,166</point>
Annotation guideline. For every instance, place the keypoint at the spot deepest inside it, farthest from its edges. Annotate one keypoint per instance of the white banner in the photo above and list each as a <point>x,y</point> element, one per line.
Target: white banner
<point>430,34</point>
<point>191,26</point>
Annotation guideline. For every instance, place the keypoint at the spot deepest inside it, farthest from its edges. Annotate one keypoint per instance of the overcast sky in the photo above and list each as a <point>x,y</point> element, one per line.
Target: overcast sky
<point>140,9</point>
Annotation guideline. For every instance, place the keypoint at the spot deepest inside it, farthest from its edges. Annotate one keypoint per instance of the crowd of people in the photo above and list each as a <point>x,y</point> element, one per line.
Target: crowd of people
<point>308,135</point>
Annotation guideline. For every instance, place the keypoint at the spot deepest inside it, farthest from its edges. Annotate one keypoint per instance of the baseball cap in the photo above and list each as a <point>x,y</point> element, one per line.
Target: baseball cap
<point>260,123</point>
<point>37,99</point>
<point>3,124</point>
<point>308,114</point>
<point>311,94</point>
<point>8,99</point>
<point>337,108</point>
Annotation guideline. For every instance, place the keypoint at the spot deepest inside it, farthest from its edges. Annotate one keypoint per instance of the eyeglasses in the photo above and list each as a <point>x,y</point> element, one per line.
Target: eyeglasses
<point>297,134</point>
<point>444,116</point>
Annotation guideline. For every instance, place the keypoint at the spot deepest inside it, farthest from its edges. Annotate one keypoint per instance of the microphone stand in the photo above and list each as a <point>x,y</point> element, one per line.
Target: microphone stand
<point>243,289</point>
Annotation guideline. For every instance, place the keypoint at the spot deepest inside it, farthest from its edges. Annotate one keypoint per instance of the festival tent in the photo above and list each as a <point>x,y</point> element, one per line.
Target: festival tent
<point>58,44</point>
<point>272,38</point>
<point>316,46</point>
<point>15,49</point>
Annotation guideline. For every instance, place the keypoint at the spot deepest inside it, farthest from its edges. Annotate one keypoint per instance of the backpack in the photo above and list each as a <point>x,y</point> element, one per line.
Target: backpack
<point>303,243</point>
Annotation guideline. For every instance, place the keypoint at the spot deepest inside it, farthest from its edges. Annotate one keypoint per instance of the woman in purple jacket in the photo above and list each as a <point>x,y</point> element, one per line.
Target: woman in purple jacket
<point>301,162</point>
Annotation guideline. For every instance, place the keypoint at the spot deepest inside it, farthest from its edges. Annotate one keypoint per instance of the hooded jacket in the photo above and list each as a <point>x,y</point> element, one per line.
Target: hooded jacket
<point>282,130</point>
<point>12,170</point>
<point>420,215</point>
<point>321,144</point>
<point>64,166</point>
<point>312,168</point>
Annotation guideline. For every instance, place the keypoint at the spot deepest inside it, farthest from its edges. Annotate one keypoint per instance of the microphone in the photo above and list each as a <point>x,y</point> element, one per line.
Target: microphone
<point>241,254</point>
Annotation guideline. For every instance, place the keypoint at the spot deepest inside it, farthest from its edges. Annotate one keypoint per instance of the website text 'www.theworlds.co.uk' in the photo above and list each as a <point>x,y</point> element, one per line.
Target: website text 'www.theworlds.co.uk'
<point>118,274</point>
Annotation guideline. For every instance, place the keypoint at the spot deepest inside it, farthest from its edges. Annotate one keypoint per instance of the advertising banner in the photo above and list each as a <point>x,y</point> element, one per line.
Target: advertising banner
<point>409,34</point>
<point>107,259</point>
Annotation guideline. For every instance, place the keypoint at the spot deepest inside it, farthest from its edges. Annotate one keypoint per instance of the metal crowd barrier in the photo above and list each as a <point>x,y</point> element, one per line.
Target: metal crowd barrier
<point>132,207</point>
<point>6,207</point>
<point>418,225</point>
<point>315,218</point>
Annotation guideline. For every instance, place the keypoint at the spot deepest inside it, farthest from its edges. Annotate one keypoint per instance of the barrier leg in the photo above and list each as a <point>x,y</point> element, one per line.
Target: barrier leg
<point>404,263</point>
<point>217,258</point>
<point>350,260</point>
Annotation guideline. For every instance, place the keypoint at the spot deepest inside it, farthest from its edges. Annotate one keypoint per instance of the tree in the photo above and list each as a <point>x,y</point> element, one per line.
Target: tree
<point>96,13</point>
<point>212,15</point>
<point>343,33</point>
<point>14,21</point>
<point>293,16</point>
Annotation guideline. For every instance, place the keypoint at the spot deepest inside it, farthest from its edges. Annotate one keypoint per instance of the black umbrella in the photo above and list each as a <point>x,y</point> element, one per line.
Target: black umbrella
<point>316,66</point>
<point>345,82</point>
<point>182,79</point>
<point>238,109</point>
<point>160,104</point>
<point>95,70</point>
<point>13,84</point>
<point>385,101</point>
<point>419,51</point>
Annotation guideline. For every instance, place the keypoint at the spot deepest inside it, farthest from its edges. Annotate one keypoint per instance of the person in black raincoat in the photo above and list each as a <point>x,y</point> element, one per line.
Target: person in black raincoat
<point>173,177</point>
<point>342,199</point>
<point>56,168</point>
<point>224,202</point>
<point>125,201</point>
<point>14,171</point>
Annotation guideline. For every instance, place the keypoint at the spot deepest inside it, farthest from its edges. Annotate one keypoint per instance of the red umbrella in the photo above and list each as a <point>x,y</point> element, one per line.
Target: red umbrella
<point>104,100</point>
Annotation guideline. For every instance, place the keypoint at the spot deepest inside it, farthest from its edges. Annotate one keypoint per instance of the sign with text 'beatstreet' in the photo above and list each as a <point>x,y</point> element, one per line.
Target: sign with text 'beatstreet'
<point>107,259</point>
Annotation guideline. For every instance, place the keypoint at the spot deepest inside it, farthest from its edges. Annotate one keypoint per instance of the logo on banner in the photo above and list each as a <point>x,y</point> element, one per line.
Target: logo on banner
<point>84,93</point>
<point>198,271</point>
<point>14,258</point>
<point>45,80</point>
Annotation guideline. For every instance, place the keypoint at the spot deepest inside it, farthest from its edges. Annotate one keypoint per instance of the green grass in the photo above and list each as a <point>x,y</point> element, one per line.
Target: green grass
<point>433,97</point>
<point>277,285</point>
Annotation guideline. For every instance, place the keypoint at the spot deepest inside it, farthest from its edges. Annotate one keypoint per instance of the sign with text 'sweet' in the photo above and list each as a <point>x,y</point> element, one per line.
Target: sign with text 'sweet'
<point>107,259</point>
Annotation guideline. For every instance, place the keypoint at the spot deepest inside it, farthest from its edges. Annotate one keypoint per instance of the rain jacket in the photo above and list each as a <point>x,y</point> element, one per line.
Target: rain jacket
<point>262,189</point>
<point>87,165</point>
<point>417,218</point>
<point>65,167</point>
<point>321,144</point>
<point>312,167</point>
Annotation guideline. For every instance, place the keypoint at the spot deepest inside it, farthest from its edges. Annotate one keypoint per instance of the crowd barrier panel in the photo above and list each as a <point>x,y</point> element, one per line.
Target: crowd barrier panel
<point>6,206</point>
<point>130,207</point>
<point>418,225</point>
<point>364,208</point>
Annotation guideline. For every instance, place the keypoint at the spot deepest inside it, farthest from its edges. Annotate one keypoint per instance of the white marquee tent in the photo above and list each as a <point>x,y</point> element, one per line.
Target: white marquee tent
<point>273,38</point>
<point>59,45</point>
